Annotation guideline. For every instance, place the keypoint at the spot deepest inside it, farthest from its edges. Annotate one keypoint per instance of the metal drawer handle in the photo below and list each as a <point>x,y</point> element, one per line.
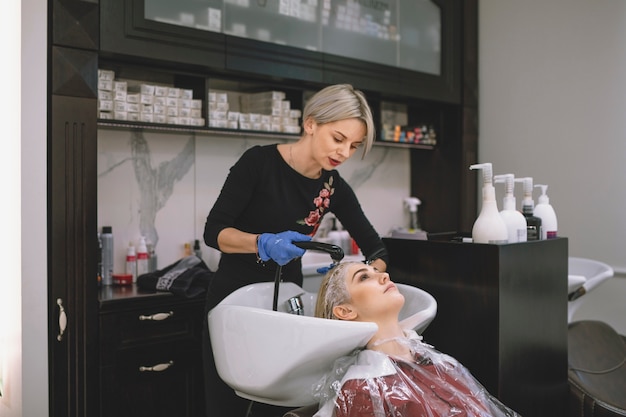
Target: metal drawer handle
<point>62,320</point>
<point>157,316</point>
<point>156,368</point>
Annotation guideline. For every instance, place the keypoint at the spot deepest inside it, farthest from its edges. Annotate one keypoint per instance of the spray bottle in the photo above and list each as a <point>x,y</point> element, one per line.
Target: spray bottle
<point>412,204</point>
<point>142,257</point>
<point>489,226</point>
<point>533,223</point>
<point>546,213</point>
<point>514,220</point>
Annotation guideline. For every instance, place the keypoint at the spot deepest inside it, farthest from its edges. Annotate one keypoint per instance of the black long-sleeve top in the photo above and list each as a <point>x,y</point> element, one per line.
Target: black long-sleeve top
<point>263,194</point>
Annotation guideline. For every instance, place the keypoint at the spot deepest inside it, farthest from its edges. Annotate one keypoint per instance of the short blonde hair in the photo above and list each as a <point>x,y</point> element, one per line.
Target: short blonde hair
<point>339,102</point>
<point>333,291</point>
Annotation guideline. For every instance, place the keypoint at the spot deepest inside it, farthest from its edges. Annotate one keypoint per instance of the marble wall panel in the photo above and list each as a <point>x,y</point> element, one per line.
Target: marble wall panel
<point>162,186</point>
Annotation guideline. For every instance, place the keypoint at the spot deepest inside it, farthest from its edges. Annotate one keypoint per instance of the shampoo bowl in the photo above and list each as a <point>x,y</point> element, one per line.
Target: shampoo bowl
<point>275,357</point>
<point>584,275</point>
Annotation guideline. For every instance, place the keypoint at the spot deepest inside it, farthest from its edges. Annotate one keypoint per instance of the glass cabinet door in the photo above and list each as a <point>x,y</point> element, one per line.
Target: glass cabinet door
<point>398,33</point>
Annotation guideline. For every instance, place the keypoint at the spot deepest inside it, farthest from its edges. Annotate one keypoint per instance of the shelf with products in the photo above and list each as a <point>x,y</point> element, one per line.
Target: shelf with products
<point>133,96</point>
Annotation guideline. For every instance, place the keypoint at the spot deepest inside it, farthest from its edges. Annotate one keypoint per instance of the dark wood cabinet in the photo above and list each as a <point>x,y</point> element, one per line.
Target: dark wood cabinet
<point>501,311</point>
<point>150,354</point>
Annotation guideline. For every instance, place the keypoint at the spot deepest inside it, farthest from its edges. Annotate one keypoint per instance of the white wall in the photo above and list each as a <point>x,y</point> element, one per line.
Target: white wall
<point>552,77</point>
<point>23,287</point>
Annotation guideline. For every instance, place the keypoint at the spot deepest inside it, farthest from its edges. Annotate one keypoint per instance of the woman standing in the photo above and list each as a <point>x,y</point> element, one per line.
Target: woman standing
<point>278,194</point>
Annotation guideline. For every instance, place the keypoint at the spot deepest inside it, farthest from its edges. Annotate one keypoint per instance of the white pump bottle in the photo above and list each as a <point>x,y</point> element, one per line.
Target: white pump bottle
<point>545,211</point>
<point>489,226</point>
<point>412,203</point>
<point>515,221</point>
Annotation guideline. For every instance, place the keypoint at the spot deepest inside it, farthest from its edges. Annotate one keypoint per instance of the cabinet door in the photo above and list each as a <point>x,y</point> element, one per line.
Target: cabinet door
<point>72,288</point>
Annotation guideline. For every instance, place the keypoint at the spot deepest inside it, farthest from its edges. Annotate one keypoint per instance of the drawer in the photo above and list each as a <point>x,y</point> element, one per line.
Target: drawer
<point>151,324</point>
<point>162,380</point>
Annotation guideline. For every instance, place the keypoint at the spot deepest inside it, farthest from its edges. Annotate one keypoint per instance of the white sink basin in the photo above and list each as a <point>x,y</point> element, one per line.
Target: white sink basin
<point>275,357</point>
<point>584,275</point>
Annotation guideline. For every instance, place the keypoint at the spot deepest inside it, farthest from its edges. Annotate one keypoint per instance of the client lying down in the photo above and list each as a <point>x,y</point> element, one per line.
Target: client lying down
<point>396,374</point>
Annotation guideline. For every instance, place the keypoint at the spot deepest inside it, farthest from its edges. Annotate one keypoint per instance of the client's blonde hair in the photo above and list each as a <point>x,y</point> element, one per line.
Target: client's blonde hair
<point>333,291</point>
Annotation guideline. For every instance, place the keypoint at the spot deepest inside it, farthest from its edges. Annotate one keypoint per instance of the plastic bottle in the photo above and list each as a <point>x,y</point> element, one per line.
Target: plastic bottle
<point>106,237</point>
<point>152,256</point>
<point>489,226</point>
<point>533,223</point>
<point>514,220</point>
<point>413,203</point>
<point>187,250</point>
<point>131,261</point>
<point>99,266</point>
<point>142,257</point>
<point>546,213</point>
<point>196,249</point>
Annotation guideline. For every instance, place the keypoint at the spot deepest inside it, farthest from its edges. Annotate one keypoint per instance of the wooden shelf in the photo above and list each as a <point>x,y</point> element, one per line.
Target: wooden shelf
<point>241,134</point>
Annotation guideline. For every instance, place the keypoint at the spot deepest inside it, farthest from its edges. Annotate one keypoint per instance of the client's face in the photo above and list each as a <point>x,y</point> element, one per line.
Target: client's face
<point>372,293</point>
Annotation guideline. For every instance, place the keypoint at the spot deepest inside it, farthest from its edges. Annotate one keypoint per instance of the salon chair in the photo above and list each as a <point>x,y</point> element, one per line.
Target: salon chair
<point>596,370</point>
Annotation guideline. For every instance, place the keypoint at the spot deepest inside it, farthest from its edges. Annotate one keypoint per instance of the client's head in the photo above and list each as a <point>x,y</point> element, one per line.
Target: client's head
<point>356,291</point>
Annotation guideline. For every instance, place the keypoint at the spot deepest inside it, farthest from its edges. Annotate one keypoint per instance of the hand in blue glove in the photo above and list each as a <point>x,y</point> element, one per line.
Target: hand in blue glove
<point>323,270</point>
<point>279,247</point>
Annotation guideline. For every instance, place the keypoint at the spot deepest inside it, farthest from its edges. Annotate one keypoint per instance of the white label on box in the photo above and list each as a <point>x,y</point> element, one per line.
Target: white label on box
<point>146,99</point>
<point>132,98</point>
<point>120,86</point>
<point>105,95</point>
<point>160,91</point>
<point>146,117</point>
<point>106,105</point>
<point>106,85</point>
<point>106,75</point>
<point>132,107</point>
<point>147,89</point>
<point>119,106</point>
<point>120,95</point>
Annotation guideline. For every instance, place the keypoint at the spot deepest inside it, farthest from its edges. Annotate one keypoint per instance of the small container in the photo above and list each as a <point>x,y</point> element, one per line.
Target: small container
<point>122,279</point>
<point>106,238</point>
<point>131,261</point>
<point>142,257</point>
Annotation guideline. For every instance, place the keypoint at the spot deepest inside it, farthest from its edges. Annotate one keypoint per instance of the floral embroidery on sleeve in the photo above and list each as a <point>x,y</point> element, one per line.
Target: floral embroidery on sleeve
<point>322,202</point>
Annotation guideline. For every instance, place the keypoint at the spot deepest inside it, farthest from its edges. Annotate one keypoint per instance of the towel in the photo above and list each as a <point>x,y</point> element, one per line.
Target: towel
<point>188,277</point>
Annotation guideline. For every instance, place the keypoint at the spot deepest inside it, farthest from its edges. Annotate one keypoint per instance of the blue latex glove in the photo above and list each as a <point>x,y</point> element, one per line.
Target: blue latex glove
<point>323,270</point>
<point>279,247</point>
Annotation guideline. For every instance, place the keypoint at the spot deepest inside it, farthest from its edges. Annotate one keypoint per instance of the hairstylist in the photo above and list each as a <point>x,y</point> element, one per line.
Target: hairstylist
<point>278,194</point>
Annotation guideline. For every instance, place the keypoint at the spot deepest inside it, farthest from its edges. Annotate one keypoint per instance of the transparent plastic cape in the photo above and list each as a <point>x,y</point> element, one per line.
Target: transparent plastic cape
<point>371,383</point>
